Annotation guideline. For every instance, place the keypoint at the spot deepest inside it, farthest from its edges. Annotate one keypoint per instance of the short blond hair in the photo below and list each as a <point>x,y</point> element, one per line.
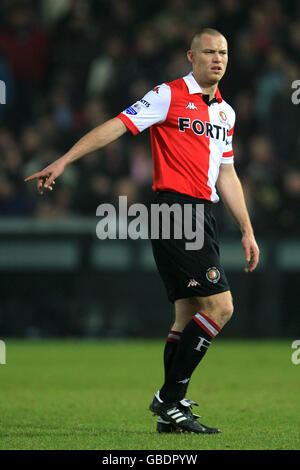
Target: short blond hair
<point>198,34</point>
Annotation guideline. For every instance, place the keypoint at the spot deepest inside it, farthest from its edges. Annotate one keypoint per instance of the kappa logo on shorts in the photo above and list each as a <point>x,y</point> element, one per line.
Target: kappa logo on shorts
<point>193,283</point>
<point>213,275</point>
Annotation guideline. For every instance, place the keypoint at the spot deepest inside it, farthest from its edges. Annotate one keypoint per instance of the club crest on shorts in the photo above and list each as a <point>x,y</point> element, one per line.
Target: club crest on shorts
<point>193,283</point>
<point>213,275</point>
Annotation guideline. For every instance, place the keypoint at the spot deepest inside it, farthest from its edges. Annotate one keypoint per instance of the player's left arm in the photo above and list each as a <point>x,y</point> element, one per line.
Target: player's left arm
<point>231,192</point>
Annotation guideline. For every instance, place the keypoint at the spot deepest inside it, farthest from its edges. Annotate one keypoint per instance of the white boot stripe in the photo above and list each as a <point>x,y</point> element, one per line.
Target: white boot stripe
<point>177,415</point>
<point>180,419</point>
<point>171,412</point>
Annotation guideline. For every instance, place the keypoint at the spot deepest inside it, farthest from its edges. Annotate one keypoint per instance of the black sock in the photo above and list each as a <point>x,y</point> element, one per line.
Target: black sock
<point>194,342</point>
<point>170,350</point>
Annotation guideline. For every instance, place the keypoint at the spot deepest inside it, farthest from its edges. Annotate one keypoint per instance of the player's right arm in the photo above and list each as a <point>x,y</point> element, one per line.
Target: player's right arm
<point>95,139</point>
<point>150,110</point>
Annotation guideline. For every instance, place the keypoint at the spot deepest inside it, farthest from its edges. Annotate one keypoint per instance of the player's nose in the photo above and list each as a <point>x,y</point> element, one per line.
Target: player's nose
<point>217,57</point>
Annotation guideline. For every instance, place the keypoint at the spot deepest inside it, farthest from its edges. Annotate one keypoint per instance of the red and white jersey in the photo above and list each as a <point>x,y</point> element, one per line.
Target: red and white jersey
<point>189,138</point>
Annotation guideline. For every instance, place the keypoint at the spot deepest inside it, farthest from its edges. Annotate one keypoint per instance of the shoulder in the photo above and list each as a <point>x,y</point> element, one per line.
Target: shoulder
<point>167,88</point>
<point>160,89</point>
<point>178,84</point>
<point>159,93</point>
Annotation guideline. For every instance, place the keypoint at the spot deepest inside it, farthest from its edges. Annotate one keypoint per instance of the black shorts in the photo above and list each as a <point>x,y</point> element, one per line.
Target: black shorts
<point>188,272</point>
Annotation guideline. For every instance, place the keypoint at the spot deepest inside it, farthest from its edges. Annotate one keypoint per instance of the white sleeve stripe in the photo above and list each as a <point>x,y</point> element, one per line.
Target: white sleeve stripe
<point>227,160</point>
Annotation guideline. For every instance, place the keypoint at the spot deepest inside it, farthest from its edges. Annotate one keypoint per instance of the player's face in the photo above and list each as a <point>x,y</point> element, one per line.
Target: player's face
<point>209,58</point>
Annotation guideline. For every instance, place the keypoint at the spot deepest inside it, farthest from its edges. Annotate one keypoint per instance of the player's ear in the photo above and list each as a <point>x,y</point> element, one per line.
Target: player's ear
<point>190,55</point>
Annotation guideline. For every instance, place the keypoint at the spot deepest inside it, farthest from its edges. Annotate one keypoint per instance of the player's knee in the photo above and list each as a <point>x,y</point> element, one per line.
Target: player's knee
<point>226,311</point>
<point>222,311</point>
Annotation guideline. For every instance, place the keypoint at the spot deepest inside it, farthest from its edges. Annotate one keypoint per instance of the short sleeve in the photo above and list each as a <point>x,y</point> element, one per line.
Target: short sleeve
<point>150,110</point>
<point>228,156</point>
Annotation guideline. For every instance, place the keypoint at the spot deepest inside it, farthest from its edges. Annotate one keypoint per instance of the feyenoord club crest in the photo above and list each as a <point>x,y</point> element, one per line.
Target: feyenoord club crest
<point>213,275</point>
<point>222,116</point>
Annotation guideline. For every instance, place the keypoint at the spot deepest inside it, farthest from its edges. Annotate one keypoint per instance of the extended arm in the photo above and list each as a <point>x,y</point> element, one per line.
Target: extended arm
<point>231,192</point>
<point>93,140</point>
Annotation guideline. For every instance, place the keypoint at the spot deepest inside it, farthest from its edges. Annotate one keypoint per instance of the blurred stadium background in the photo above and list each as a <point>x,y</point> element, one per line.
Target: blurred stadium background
<point>68,65</point>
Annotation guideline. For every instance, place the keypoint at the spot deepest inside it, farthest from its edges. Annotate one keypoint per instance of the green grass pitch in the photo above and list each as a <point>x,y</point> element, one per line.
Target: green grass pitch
<point>95,395</point>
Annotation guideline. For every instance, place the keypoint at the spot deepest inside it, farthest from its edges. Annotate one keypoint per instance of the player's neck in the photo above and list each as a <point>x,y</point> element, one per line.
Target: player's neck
<point>209,90</point>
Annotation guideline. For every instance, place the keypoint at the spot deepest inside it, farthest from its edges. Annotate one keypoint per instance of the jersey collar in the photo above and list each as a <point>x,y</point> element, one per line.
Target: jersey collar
<point>194,87</point>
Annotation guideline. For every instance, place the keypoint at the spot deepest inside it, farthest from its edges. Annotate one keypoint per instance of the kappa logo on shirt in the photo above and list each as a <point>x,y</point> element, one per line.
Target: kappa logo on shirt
<point>156,89</point>
<point>191,106</point>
